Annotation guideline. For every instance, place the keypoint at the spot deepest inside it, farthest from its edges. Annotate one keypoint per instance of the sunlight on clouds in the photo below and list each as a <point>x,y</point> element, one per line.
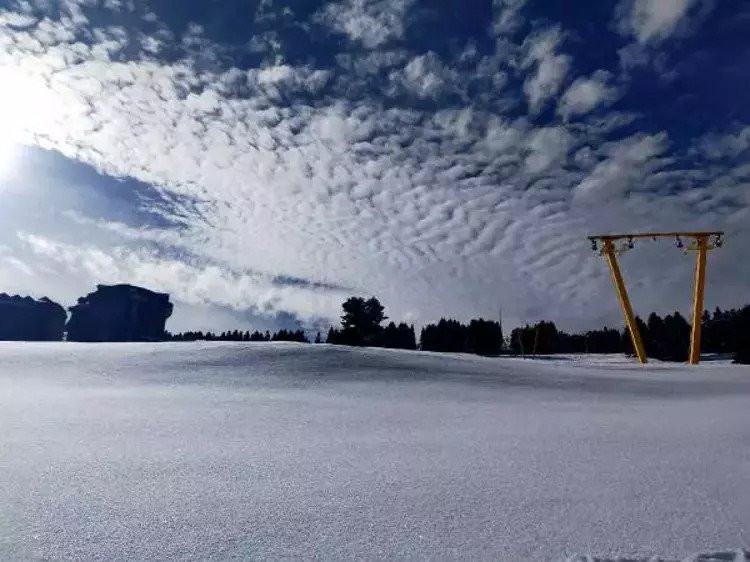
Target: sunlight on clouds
<point>21,109</point>
<point>8,152</point>
<point>440,181</point>
<point>29,109</point>
<point>197,284</point>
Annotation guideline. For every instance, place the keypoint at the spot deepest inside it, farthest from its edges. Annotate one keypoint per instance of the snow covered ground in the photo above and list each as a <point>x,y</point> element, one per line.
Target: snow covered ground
<point>265,451</point>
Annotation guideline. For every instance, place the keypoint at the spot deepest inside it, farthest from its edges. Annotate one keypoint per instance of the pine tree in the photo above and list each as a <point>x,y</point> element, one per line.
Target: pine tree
<point>484,337</point>
<point>334,336</point>
<point>361,321</point>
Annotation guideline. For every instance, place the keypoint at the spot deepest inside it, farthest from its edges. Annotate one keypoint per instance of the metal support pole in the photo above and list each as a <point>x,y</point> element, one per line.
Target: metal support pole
<point>635,335</point>
<point>700,286</point>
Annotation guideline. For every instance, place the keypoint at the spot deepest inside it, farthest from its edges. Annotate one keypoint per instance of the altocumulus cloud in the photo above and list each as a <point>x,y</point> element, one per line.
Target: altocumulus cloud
<point>274,157</point>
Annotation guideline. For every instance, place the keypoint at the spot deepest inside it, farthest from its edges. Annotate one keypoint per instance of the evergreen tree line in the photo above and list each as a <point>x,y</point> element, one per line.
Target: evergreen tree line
<point>236,335</point>
<point>483,337</point>
<point>361,325</point>
<point>667,338</point>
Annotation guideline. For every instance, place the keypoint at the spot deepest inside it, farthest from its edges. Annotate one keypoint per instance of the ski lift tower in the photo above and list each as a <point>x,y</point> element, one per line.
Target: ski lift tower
<point>613,245</point>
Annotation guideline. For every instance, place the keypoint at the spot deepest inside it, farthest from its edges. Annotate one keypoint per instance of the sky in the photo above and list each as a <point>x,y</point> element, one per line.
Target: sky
<point>263,160</point>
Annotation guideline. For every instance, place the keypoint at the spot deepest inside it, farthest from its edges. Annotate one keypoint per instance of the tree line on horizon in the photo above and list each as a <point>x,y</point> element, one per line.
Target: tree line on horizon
<point>237,335</point>
<point>667,338</point>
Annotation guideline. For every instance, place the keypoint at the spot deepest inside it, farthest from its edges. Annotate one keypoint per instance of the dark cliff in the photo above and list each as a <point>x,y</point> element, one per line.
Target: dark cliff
<point>27,319</point>
<point>119,313</point>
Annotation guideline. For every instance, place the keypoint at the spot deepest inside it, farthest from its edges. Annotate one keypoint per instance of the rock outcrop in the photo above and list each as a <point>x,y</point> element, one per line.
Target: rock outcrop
<point>27,319</point>
<point>119,313</point>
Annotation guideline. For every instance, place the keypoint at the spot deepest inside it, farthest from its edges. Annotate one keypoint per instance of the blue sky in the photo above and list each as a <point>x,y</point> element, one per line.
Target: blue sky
<point>263,160</point>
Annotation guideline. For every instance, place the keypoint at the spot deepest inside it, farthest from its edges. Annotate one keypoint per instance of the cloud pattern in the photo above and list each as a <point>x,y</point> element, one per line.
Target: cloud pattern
<point>450,160</point>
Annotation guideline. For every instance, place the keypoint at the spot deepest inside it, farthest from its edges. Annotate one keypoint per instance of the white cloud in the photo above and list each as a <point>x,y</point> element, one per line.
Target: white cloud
<point>372,23</point>
<point>16,19</point>
<point>633,55</point>
<point>507,16</point>
<point>139,234</point>
<point>549,68</point>
<point>425,76</point>
<point>502,137</point>
<point>585,94</point>
<point>652,20</point>
<point>731,145</point>
<point>548,145</point>
<point>283,79</point>
<point>626,164</point>
<point>19,265</point>
<point>650,23</point>
<point>371,62</point>
<point>190,283</point>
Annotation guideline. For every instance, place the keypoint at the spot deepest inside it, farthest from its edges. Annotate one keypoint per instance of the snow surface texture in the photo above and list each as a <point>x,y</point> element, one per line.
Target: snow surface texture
<point>266,451</point>
<point>738,556</point>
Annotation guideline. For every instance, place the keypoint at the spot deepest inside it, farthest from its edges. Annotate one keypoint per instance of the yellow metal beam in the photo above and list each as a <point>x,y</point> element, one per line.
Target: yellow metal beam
<point>635,335</point>
<point>689,234</point>
<point>700,286</point>
<point>702,241</point>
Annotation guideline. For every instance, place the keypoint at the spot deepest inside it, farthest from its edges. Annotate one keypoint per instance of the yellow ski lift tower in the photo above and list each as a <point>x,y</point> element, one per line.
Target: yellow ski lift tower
<point>612,246</point>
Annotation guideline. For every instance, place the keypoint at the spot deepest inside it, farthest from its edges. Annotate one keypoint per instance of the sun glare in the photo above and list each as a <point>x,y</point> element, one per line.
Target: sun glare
<point>24,108</point>
<point>8,151</point>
